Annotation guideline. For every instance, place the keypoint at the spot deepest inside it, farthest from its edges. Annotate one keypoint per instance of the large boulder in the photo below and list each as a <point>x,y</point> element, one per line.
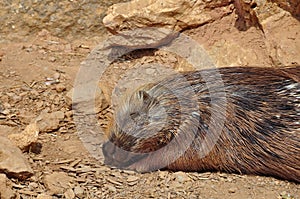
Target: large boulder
<point>176,14</point>
<point>240,32</point>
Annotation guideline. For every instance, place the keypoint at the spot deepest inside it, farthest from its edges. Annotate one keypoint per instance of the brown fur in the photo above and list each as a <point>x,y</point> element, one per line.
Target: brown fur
<point>157,125</point>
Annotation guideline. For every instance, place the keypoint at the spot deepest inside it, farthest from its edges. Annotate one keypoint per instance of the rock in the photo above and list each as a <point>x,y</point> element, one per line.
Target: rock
<point>69,97</point>
<point>58,114</point>
<point>57,182</point>
<point>60,87</point>
<point>89,104</point>
<point>162,174</point>
<point>281,30</point>
<point>44,196</point>
<point>33,186</point>
<point>52,59</point>
<point>66,19</point>
<point>232,190</point>
<point>69,114</point>
<point>69,194</point>
<point>6,191</point>
<point>111,188</point>
<point>246,15</point>
<point>5,112</point>
<point>181,177</point>
<point>282,38</point>
<point>285,195</point>
<point>26,138</point>
<point>79,191</point>
<point>264,34</point>
<point>12,161</point>
<point>48,122</point>
<point>292,6</point>
<point>174,15</point>
<point>176,185</point>
<point>132,178</point>
<point>56,76</point>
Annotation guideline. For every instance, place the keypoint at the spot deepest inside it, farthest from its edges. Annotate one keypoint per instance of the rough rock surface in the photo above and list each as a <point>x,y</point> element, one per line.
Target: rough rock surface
<point>240,32</point>
<point>57,182</point>
<point>292,6</point>
<point>48,122</point>
<point>175,15</point>
<point>6,191</point>
<point>44,196</point>
<point>62,18</point>
<point>12,161</point>
<point>93,105</point>
<point>26,138</point>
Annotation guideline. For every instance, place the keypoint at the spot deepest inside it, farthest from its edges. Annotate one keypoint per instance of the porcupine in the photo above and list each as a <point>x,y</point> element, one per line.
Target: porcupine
<point>259,134</point>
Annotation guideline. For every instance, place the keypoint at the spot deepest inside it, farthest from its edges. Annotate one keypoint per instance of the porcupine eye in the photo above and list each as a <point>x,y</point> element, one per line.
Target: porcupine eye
<point>134,115</point>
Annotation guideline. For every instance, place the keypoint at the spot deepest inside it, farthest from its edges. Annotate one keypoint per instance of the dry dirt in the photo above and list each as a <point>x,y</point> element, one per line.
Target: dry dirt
<point>35,75</point>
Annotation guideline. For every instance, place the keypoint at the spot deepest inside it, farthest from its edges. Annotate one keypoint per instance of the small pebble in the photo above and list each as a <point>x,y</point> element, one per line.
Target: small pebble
<point>52,59</point>
<point>69,194</point>
<point>69,114</point>
<point>5,112</point>
<point>111,188</point>
<point>232,190</point>
<point>33,185</point>
<point>132,178</point>
<point>56,76</point>
<point>79,191</point>
<point>181,177</point>
<point>43,196</point>
<point>60,88</point>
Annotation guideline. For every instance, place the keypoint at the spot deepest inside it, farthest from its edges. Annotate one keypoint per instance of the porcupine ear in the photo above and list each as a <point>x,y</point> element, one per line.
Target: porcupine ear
<point>143,95</point>
<point>146,98</point>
